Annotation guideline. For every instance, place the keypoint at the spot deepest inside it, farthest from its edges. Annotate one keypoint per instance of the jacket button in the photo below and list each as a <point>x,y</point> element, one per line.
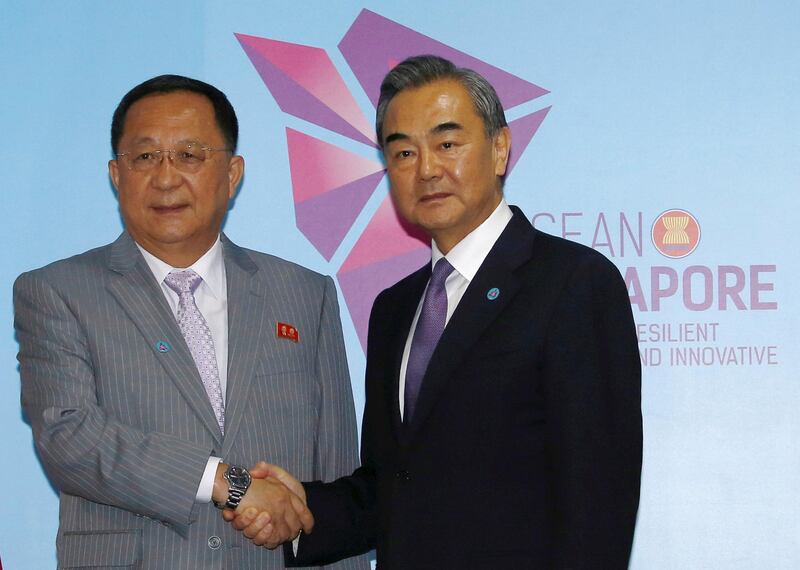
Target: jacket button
<point>403,475</point>
<point>214,542</point>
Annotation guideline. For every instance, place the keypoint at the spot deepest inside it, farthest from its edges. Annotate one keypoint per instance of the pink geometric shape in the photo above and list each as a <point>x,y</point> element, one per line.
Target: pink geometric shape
<point>330,187</point>
<point>386,236</point>
<point>373,44</point>
<point>305,84</point>
<point>318,166</point>
<point>388,250</point>
<point>327,218</point>
<point>361,285</point>
<point>522,131</point>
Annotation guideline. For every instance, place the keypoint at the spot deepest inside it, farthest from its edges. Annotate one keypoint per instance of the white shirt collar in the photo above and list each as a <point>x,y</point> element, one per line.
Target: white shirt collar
<point>210,267</point>
<point>468,254</point>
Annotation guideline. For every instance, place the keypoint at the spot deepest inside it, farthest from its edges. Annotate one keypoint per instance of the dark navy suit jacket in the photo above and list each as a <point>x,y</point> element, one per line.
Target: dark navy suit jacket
<point>526,445</point>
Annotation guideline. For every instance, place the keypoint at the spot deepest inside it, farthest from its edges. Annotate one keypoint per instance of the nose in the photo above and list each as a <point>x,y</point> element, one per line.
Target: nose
<point>429,166</point>
<point>165,175</point>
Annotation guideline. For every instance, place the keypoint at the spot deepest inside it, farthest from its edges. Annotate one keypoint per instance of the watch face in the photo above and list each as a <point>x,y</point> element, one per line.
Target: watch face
<point>238,477</point>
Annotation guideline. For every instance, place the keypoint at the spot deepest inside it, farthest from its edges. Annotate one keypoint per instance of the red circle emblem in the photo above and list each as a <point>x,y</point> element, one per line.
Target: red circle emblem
<point>675,233</point>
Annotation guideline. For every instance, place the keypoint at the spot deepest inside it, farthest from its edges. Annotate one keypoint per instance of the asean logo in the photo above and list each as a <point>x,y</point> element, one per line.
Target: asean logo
<point>675,233</point>
<point>331,183</point>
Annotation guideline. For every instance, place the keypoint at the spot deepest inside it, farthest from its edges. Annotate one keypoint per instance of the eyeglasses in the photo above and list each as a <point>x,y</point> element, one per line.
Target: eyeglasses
<point>187,157</point>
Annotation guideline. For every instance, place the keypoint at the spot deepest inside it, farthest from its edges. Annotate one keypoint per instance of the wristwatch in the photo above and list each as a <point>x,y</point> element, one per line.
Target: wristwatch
<point>239,480</point>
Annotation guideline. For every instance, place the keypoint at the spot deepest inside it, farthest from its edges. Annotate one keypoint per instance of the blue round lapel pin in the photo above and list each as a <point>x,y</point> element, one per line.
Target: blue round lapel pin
<point>493,293</point>
<point>163,346</point>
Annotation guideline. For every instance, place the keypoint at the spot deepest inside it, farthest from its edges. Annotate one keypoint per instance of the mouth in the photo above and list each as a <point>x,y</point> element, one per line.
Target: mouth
<point>436,196</point>
<point>170,209</point>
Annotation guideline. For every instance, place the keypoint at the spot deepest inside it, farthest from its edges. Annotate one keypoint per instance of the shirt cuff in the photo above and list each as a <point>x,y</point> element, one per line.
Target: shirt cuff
<point>206,487</point>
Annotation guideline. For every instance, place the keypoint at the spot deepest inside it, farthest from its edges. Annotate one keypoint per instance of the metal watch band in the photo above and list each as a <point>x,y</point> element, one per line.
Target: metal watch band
<point>234,497</point>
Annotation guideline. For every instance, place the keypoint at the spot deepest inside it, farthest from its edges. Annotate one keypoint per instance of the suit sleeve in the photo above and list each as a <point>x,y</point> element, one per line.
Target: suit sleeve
<point>337,437</point>
<point>84,451</point>
<point>593,394</point>
<point>343,509</point>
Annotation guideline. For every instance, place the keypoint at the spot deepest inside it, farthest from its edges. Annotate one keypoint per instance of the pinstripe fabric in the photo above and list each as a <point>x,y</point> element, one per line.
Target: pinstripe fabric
<point>124,430</point>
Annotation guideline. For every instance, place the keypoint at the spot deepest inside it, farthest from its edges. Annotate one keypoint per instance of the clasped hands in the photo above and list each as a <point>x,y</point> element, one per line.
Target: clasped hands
<point>274,508</point>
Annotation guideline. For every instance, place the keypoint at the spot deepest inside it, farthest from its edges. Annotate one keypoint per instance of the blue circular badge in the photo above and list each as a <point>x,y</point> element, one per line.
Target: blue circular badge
<point>493,293</point>
<point>163,346</point>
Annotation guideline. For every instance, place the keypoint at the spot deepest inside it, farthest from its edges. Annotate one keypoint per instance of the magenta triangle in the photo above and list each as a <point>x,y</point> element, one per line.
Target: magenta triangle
<point>295,100</point>
<point>361,285</point>
<point>326,218</point>
<point>374,44</point>
<point>522,131</point>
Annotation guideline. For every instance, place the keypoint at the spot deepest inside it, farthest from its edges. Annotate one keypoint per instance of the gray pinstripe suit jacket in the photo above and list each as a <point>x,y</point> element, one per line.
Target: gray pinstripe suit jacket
<point>124,430</point>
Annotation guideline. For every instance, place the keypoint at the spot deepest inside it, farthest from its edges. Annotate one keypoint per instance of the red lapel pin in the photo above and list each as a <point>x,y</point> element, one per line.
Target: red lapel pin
<point>288,332</point>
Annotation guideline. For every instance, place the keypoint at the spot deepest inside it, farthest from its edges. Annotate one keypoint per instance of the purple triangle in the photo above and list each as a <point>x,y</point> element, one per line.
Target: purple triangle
<point>374,44</point>
<point>294,99</point>
<point>360,286</point>
<point>325,219</point>
<point>522,131</point>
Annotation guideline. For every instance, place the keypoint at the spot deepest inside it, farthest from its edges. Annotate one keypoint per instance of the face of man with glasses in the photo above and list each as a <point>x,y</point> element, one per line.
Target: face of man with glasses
<point>174,175</point>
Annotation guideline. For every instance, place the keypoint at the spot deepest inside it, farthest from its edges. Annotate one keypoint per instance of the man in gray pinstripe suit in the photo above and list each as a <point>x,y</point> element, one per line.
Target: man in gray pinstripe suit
<point>143,421</point>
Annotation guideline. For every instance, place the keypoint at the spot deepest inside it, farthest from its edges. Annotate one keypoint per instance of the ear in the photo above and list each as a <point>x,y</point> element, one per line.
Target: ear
<point>502,147</point>
<point>113,172</point>
<point>235,173</point>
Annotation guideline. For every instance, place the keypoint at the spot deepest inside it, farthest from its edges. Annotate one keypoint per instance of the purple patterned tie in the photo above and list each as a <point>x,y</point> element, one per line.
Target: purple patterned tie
<point>198,336</point>
<point>429,328</point>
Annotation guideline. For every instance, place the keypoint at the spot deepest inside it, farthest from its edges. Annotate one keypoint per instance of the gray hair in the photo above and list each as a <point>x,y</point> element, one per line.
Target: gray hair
<point>423,69</point>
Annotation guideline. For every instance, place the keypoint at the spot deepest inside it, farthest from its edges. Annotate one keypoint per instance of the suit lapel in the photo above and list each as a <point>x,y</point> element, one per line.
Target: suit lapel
<point>248,333</point>
<point>476,311</point>
<point>141,298</point>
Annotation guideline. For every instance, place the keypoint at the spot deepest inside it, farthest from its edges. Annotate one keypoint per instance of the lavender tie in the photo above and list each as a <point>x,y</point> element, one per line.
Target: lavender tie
<point>198,336</point>
<point>429,328</point>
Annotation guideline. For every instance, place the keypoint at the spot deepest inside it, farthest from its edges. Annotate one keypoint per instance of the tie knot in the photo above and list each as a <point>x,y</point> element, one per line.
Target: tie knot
<point>183,282</point>
<point>441,271</point>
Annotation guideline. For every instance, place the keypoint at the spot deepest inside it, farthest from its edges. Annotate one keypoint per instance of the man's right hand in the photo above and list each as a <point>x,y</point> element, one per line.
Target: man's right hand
<point>264,469</point>
<point>270,513</point>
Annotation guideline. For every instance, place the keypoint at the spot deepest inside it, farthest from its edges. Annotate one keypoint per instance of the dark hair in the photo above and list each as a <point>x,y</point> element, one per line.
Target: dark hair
<point>223,110</point>
<point>423,69</point>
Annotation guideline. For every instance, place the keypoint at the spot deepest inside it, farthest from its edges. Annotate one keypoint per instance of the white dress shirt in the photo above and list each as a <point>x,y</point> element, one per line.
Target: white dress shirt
<point>211,297</point>
<point>466,258</point>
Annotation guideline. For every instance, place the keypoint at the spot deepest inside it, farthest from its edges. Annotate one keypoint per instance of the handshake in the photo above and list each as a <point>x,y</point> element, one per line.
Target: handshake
<point>272,511</point>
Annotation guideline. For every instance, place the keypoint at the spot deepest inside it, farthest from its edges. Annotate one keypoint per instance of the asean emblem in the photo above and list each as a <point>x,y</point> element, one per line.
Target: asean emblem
<point>675,233</point>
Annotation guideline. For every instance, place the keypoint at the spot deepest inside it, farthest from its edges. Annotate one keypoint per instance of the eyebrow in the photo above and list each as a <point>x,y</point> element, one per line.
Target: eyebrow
<point>143,140</point>
<point>438,129</point>
<point>151,140</point>
<point>444,127</point>
<point>395,137</point>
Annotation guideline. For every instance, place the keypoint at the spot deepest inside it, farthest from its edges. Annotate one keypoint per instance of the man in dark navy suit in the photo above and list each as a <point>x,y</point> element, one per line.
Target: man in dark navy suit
<point>502,426</point>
